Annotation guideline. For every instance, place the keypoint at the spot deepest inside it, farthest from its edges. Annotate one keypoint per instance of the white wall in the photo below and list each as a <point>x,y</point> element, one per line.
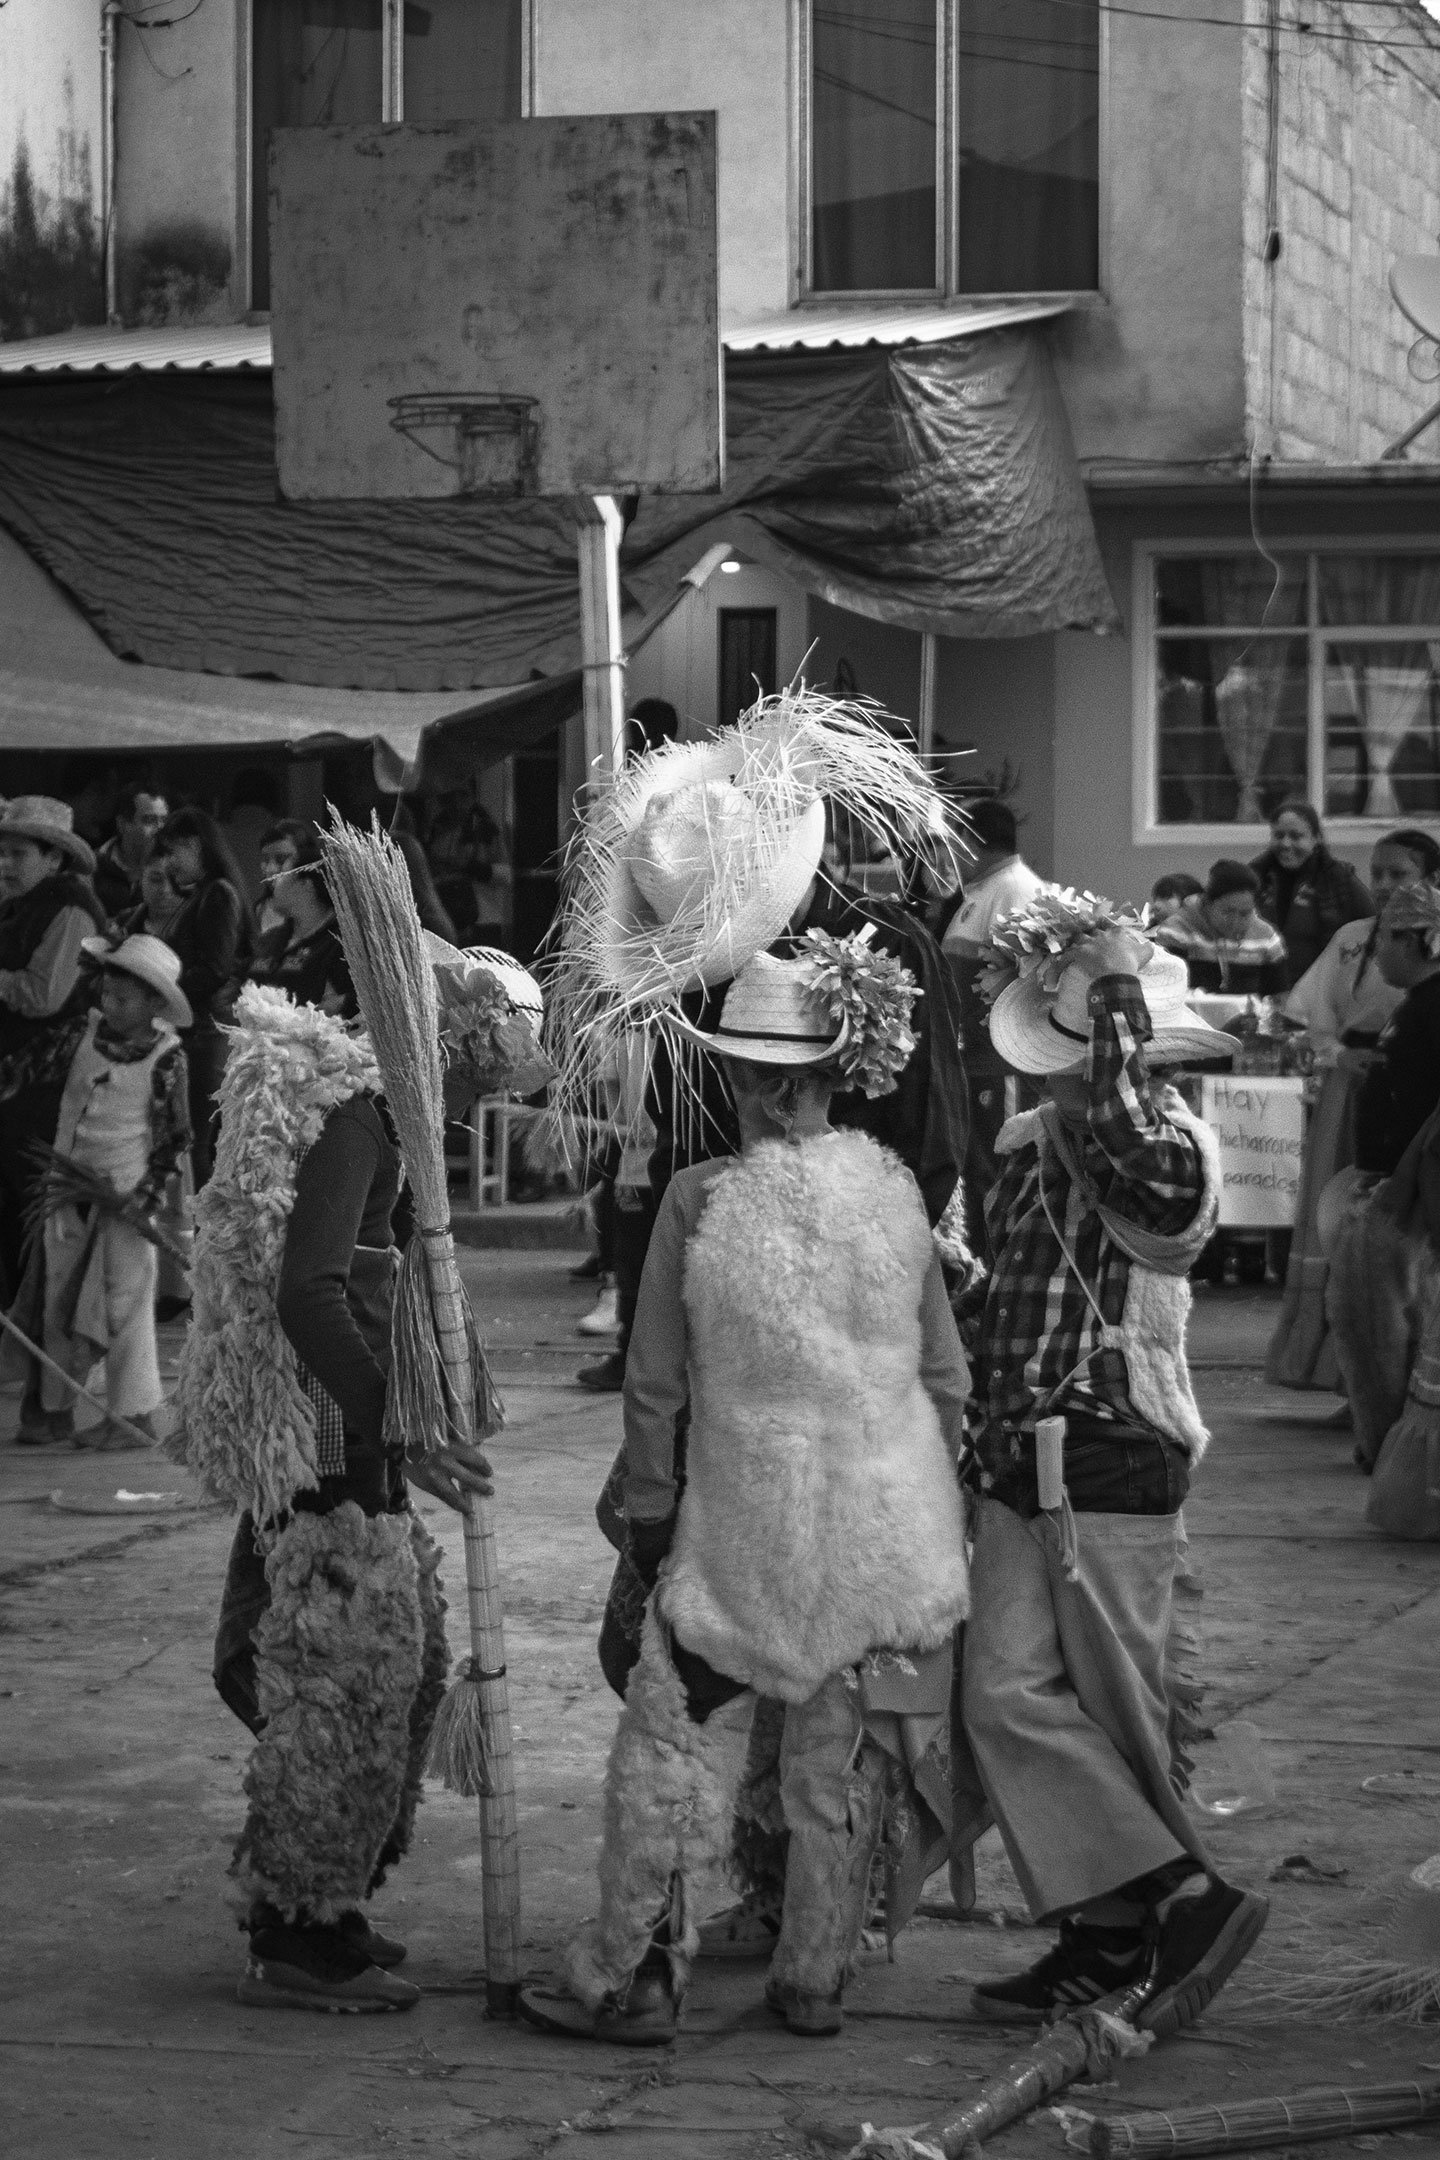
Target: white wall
<point>595,56</point>
<point>681,662</point>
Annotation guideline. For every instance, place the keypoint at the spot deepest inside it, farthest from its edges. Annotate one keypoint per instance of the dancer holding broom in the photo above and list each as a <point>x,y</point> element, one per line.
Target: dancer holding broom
<point>331,1644</point>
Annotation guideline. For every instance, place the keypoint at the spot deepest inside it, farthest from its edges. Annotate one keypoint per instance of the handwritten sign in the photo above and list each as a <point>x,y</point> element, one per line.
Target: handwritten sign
<point>1260,1125</point>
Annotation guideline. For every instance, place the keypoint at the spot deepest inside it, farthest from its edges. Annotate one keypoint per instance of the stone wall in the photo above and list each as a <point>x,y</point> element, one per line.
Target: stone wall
<point>1357,183</point>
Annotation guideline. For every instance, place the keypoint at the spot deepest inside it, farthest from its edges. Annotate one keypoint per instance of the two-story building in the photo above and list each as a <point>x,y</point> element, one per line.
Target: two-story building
<point>933,215</point>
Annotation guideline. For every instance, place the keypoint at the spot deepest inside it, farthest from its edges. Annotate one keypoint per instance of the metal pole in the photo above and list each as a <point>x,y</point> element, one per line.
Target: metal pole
<point>925,727</point>
<point>599,525</point>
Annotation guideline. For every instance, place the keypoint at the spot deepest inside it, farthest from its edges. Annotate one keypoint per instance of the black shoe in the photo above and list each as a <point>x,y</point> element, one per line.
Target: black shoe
<point>318,1968</point>
<point>605,1377</point>
<point>170,1308</point>
<point>587,1270</point>
<point>1201,1941</point>
<point>1086,1964</point>
<point>382,1950</point>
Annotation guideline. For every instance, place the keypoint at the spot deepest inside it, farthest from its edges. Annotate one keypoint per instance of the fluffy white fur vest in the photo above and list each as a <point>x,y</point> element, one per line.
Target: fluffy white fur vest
<point>245,1429</point>
<point>1151,1333</point>
<point>821,1516</point>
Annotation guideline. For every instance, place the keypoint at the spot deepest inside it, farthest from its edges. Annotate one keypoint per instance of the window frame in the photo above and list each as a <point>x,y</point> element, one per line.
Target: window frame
<point>392,108</point>
<point>1146,829</point>
<point>945,291</point>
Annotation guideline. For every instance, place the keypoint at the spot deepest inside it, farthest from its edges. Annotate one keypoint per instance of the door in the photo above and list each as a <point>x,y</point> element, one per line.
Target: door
<point>748,642</point>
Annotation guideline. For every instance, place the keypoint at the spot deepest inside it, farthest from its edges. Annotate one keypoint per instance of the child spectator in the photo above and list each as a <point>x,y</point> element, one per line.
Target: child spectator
<point>124,1122</point>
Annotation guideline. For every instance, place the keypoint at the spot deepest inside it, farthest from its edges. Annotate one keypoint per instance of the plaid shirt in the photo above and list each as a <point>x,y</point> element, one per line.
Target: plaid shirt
<point>1037,1325</point>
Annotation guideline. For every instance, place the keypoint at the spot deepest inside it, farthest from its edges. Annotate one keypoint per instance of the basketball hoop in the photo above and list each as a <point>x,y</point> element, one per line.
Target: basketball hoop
<point>493,438</point>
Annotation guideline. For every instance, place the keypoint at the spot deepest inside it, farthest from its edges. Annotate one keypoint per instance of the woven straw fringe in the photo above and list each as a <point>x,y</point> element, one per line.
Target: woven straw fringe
<point>419,1412</point>
<point>458,1754</point>
<point>796,746</point>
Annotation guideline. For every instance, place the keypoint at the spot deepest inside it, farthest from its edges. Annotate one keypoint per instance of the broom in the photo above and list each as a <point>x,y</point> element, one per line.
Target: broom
<point>1245,2125</point>
<point>440,1389</point>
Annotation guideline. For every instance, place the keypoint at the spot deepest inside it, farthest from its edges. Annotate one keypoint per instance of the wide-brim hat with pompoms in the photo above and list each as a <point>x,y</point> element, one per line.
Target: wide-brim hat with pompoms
<point>1039,1031</point>
<point>491,1013</point>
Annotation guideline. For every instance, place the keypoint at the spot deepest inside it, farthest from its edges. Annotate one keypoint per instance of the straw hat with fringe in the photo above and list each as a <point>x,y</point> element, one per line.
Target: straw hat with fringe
<point>700,854</point>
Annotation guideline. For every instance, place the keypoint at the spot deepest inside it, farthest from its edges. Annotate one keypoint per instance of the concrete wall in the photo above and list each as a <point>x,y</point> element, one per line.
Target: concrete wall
<point>180,168</point>
<point>671,55</point>
<point>1357,183</point>
<point>50,130</point>
<point>681,661</point>
<point>1156,371</point>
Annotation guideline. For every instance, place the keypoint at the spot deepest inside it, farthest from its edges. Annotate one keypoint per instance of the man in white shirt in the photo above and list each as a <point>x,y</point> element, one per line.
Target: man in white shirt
<point>1002,880</point>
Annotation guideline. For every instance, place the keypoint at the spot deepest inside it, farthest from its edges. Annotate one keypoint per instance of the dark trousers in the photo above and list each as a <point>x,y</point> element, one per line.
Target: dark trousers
<point>205,1052</point>
<point>635,1210</point>
<point>27,1118</point>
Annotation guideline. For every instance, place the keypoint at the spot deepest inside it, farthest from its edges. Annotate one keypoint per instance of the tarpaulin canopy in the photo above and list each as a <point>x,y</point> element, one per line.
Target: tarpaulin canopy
<point>933,486</point>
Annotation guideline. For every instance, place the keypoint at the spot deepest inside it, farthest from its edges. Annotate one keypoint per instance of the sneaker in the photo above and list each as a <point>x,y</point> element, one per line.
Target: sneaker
<point>1201,1940</point>
<point>38,1427</point>
<point>381,1949</point>
<point>814,2017</point>
<point>1086,1964</point>
<point>603,1317</point>
<point>318,1968</point>
<point>605,1377</point>
<point>750,1929</point>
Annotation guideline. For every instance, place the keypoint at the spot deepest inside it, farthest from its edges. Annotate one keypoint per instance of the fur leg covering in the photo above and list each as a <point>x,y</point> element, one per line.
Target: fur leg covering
<point>434,1678</point>
<point>669,1796</point>
<point>832,1782</point>
<point>757,1853</point>
<point>338,1663</point>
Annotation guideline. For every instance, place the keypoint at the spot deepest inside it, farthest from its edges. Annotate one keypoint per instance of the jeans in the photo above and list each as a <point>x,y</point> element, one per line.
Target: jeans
<point>1110,1469</point>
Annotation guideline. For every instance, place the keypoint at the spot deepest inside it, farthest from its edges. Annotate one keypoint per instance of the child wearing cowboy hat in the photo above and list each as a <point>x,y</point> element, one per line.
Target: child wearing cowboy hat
<point>793,1337</point>
<point>124,1122</point>
<point>1084,1435</point>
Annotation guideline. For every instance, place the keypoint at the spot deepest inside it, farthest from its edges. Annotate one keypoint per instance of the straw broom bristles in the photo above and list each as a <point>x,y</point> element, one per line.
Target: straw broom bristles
<point>440,1388</point>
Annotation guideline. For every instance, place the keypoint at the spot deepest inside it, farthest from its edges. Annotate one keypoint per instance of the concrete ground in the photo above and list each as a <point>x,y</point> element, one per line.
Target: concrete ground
<point>121,2037</point>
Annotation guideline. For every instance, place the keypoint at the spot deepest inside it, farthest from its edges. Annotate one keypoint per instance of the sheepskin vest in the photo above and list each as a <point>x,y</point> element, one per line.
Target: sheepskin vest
<point>821,1516</point>
<point>246,1428</point>
<point>1151,1332</point>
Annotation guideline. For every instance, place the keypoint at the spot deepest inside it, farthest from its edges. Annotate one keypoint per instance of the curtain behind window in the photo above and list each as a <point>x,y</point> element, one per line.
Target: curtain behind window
<point>1028,145</point>
<point>873,146</point>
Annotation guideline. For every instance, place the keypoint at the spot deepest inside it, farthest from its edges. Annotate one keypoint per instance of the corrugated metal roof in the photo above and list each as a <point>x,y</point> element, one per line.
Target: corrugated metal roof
<point>112,352</point>
<point>804,330</point>
<point>247,345</point>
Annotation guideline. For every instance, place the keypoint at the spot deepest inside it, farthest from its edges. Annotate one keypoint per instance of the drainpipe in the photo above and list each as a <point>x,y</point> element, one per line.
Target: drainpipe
<point>109,33</point>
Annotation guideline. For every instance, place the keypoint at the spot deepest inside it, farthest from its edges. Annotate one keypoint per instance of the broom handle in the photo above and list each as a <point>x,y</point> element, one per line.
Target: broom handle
<point>499,1830</point>
<point>141,1439</point>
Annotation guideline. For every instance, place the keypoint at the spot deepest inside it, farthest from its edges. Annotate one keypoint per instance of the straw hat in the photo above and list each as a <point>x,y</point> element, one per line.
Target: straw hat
<point>48,822</point>
<point>518,984</point>
<point>1036,1031</point>
<point>692,833</point>
<point>771,1016</point>
<point>151,961</point>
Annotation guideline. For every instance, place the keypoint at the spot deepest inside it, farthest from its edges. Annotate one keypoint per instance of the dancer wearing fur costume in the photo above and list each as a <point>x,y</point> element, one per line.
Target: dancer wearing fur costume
<point>793,1308</point>
<point>331,1644</point>
<point>1085,1436</point>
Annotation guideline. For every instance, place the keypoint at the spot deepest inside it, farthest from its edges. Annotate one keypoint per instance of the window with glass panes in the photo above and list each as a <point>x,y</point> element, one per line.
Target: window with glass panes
<point>322,63</point>
<point>1321,680</point>
<point>953,146</point>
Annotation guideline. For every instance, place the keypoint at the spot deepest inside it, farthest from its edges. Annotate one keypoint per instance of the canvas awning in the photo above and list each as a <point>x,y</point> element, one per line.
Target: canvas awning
<point>929,481</point>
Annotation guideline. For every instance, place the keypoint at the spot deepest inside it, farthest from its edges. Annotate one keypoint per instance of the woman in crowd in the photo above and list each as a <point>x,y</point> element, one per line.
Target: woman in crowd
<point>1305,891</point>
<point>310,962</point>
<point>1342,1002</point>
<point>214,934</point>
<point>1225,944</point>
<point>1381,1222</point>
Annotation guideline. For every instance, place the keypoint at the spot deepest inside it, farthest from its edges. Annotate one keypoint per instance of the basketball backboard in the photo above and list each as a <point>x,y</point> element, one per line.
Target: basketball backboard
<point>499,309</point>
